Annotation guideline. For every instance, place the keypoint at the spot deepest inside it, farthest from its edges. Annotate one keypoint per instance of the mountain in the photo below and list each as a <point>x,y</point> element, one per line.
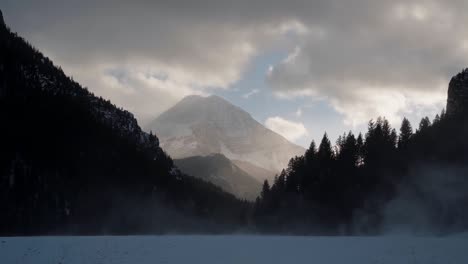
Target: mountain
<point>457,99</point>
<point>200,126</point>
<point>219,170</point>
<point>72,162</point>
<point>259,173</point>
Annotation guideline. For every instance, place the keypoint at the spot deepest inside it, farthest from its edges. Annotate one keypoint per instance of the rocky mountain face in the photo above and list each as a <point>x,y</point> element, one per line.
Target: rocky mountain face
<point>200,126</point>
<point>457,100</point>
<point>219,170</point>
<point>72,162</point>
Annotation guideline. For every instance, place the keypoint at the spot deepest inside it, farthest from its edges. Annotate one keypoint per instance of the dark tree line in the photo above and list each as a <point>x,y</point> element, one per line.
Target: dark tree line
<point>333,187</point>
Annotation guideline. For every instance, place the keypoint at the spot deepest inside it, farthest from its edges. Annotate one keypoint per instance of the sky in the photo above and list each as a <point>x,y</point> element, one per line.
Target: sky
<point>300,67</point>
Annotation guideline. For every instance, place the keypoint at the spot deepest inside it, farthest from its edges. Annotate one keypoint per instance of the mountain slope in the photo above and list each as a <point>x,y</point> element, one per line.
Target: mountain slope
<point>219,170</point>
<point>74,163</point>
<point>199,126</point>
<point>259,173</point>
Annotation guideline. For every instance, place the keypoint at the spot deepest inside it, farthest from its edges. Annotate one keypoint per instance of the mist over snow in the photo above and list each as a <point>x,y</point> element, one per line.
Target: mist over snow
<point>233,249</point>
<point>431,201</point>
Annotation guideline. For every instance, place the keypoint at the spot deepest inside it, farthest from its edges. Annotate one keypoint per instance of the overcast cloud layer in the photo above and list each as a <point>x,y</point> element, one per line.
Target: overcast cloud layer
<point>364,57</point>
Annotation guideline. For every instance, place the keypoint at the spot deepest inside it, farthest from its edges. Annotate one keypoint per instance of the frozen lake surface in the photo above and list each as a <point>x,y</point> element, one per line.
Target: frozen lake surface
<point>234,249</point>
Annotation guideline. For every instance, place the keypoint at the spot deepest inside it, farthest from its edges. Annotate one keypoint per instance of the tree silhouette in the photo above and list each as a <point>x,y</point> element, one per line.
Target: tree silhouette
<point>406,132</point>
<point>265,190</point>
<point>424,124</point>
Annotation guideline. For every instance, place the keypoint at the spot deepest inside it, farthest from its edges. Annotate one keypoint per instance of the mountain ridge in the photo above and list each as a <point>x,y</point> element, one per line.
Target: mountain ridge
<point>221,171</point>
<point>213,125</point>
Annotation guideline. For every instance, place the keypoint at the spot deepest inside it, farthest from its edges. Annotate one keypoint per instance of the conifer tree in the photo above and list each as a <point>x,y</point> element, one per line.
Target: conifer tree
<point>436,119</point>
<point>360,148</point>
<point>424,124</point>
<point>265,190</point>
<point>325,152</point>
<point>311,152</point>
<point>349,152</point>
<point>406,132</point>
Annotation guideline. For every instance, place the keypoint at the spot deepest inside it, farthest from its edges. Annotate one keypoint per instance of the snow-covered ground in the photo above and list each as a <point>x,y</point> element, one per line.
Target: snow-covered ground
<point>234,249</point>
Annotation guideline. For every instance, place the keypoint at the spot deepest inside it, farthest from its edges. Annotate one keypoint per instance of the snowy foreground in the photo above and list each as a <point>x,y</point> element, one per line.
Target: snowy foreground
<point>234,249</point>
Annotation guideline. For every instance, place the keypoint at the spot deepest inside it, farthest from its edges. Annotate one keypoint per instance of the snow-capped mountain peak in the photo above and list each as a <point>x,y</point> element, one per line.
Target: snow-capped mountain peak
<point>199,126</point>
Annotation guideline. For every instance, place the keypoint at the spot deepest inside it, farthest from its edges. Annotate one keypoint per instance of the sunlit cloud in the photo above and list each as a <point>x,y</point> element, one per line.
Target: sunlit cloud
<point>289,129</point>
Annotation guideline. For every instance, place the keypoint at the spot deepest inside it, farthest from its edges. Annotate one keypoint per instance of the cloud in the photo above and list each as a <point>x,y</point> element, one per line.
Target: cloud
<point>377,58</point>
<point>298,113</point>
<point>363,57</point>
<point>249,94</point>
<point>147,55</point>
<point>141,89</point>
<point>288,129</point>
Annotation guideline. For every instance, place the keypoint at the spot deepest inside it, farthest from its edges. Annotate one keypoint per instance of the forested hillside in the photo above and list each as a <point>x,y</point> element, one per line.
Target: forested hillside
<point>71,162</point>
<point>222,172</point>
<point>381,181</point>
